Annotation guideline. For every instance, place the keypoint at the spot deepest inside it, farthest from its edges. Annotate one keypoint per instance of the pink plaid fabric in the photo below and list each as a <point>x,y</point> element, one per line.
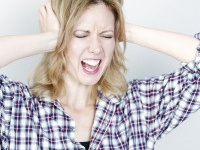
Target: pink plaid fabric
<point>150,109</point>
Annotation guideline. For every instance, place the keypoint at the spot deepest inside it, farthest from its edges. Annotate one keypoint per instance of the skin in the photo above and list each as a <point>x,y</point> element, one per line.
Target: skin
<point>93,40</point>
<point>89,42</point>
<point>179,46</point>
<point>81,107</point>
<point>29,45</point>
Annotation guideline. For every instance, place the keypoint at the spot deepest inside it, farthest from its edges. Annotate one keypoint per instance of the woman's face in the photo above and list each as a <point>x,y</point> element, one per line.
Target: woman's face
<point>92,45</point>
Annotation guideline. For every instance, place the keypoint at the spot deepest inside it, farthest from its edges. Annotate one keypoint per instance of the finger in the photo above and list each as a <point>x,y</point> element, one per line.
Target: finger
<point>42,11</point>
<point>49,8</point>
<point>44,2</point>
<point>42,18</point>
<point>41,23</point>
<point>48,5</point>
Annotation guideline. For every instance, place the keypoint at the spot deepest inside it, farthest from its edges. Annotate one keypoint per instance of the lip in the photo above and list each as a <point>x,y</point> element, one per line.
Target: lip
<point>89,69</point>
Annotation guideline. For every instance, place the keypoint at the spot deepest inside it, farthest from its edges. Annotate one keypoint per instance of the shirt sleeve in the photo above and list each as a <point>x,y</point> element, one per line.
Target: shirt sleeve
<point>10,91</point>
<point>169,99</point>
<point>6,98</point>
<point>5,106</point>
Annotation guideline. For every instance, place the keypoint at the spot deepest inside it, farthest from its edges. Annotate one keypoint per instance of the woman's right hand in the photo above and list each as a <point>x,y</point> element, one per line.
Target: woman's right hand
<point>20,46</point>
<point>47,19</point>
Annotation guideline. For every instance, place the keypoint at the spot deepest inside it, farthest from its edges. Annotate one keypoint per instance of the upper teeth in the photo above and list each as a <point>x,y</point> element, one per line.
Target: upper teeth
<point>91,62</point>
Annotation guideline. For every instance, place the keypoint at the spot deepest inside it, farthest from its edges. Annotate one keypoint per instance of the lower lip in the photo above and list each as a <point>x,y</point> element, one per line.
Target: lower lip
<point>91,72</point>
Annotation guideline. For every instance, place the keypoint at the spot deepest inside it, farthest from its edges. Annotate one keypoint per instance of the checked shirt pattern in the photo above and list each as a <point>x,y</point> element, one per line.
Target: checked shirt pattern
<point>150,109</point>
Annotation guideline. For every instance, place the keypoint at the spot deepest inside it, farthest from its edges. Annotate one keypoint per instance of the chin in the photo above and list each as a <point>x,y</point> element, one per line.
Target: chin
<point>89,83</point>
<point>89,80</point>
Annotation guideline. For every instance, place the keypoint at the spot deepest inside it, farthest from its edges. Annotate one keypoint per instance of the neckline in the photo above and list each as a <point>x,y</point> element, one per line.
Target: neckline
<point>84,142</point>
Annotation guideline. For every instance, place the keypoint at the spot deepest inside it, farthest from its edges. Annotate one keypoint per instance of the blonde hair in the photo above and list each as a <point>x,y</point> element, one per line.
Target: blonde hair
<point>48,79</point>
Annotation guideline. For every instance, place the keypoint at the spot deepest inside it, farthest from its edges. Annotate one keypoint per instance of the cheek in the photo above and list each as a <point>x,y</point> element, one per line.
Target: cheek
<point>73,49</point>
<point>110,47</point>
<point>71,56</point>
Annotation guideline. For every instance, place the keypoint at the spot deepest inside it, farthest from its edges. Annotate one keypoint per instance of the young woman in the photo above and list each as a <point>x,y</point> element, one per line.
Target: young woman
<point>79,98</point>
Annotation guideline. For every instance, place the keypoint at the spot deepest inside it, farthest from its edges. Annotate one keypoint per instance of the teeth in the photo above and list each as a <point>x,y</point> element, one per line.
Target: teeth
<point>91,62</point>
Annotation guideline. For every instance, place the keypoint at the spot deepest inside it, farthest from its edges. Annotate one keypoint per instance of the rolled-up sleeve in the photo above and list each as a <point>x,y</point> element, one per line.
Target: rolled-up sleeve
<point>10,92</point>
<point>169,99</point>
<point>6,98</point>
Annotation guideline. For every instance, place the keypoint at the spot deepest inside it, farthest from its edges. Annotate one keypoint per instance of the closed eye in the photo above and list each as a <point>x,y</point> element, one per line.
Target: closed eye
<point>107,34</point>
<point>80,36</point>
<point>108,37</point>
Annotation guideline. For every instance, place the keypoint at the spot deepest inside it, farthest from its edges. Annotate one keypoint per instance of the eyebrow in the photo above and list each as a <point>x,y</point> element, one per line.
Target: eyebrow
<point>107,31</point>
<point>87,31</point>
<point>81,30</point>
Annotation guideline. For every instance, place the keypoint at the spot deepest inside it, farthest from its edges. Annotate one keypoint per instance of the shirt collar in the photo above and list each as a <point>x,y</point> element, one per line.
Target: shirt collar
<point>108,97</point>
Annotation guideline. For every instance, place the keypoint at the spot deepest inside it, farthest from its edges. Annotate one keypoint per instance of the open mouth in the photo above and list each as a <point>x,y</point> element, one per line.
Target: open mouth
<point>91,65</point>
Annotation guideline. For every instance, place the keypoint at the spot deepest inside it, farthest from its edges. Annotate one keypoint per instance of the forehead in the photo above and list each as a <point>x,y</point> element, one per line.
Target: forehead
<point>98,15</point>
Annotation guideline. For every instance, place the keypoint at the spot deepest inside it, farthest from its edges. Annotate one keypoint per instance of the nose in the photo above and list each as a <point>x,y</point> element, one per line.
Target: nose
<point>95,45</point>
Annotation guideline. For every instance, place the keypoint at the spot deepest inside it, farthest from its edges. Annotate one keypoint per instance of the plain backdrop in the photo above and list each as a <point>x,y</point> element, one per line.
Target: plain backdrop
<point>20,17</point>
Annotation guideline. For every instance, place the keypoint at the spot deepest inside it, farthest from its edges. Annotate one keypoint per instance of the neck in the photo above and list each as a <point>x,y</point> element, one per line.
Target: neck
<point>77,95</point>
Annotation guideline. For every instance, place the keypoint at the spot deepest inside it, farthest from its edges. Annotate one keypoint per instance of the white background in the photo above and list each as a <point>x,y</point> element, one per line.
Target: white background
<point>20,17</point>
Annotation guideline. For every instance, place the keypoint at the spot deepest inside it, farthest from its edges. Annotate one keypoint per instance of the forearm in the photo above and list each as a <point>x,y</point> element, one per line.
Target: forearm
<point>16,47</point>
<point>181,47</point>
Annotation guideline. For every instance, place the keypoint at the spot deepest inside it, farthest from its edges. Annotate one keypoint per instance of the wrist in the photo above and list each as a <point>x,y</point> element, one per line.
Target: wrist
<point>51,41</point>
<point>130,32</point>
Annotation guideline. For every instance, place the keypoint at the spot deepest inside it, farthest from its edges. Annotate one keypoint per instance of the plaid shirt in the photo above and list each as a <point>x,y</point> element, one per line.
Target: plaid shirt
<point>150,109</point>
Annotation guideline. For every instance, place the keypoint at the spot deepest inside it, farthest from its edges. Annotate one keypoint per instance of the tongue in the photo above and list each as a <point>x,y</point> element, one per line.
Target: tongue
<point>88,67</point>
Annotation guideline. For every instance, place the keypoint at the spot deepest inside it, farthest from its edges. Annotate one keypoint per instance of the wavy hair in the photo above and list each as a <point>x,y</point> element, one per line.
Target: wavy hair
<point>48,77</point>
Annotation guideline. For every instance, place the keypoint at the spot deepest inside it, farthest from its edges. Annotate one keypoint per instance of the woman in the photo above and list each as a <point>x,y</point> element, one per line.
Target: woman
<point>79,98</point>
